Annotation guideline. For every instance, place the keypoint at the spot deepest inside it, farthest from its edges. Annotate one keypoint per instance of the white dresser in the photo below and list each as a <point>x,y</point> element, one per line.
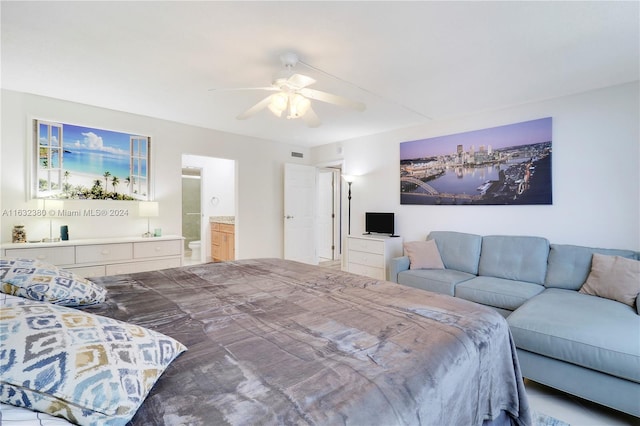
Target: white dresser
<point>370,255</point>
<point>104,256</point>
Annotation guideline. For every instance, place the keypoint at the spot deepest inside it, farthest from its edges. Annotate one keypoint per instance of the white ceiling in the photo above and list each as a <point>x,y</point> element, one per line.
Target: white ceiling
<point>407,61</point>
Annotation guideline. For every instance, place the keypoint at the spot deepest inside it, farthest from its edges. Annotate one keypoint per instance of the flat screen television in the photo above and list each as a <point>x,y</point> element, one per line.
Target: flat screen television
<point>379,223</point>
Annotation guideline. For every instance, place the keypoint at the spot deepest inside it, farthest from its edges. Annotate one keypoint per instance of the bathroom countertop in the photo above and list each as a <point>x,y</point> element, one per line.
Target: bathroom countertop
<point>223,219</point>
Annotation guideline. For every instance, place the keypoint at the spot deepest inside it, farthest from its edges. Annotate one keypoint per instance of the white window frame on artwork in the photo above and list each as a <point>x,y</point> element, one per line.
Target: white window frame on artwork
<point>49,137</point>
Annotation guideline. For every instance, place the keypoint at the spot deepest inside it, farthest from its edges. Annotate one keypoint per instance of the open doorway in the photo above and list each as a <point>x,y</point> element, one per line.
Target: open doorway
<point>216,179</point>
<point>313,217</point>
<point>192,212</point>
<point>328,215</point>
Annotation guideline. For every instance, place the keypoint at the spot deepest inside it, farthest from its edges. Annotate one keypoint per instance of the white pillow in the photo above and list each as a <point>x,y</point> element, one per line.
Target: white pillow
<point>613,277</point>
<point>423,255</point>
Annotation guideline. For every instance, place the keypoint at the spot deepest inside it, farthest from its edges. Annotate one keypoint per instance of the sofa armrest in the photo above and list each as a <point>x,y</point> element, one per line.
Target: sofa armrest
<point>398,264</point>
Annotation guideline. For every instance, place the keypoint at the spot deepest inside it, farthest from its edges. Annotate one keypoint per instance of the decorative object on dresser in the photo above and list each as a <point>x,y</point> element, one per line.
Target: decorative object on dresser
<point>104,256</point>
<point>148,209</point>
<point>18,234</point>
<point>370,255</point>
<point>222,238</point>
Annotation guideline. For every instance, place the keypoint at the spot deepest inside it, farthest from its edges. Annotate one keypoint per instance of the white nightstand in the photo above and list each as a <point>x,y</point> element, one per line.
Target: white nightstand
<point>370,254</point>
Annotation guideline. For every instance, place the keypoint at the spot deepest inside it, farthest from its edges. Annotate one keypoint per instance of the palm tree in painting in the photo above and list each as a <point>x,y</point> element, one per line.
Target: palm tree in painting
<point>96,190</point>
<point>114,182</point>
<point>106,179</point>
<point>66,186</point>
<point>127,181</point>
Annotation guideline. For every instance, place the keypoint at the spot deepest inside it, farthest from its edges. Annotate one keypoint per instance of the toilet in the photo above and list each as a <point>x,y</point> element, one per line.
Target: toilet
<point>195,250</point>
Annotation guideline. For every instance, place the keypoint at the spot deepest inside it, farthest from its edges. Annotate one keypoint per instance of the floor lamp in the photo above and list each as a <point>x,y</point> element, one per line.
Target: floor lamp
<point>349,179</point>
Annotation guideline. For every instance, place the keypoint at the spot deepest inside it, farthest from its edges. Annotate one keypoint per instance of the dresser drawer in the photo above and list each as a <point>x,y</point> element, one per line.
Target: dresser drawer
<point>104,252</point>
<point>142,266</point>
<point>368,245</point>
<point>362,258</point>
<point>89,271</point>
<point>369,271</point>
<point>53,255</point>
<point>157,249</point>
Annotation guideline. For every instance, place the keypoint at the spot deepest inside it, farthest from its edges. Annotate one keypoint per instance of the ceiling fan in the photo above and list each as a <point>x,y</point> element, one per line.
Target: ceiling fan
<point>293,96</point>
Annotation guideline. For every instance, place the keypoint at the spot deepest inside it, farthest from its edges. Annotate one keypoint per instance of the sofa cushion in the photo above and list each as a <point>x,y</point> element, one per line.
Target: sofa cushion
<point>514,258</point>
<point>458,250</point>
<point>561,324</point>
<point>436,280</point>
<point>497,292</point>
<point>615,278</point>
<point>569,265</point>
<point>423,255</point>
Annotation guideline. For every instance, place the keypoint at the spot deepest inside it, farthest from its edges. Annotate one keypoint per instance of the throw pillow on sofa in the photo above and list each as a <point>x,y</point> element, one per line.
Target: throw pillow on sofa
<point>613,277</point>
<point>423,255</point>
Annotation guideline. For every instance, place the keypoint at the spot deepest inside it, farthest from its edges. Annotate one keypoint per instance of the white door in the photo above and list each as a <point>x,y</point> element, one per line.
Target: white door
<point>300,213</point>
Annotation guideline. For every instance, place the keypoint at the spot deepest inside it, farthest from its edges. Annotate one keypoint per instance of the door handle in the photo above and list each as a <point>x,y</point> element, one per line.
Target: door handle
<point>288,217</point>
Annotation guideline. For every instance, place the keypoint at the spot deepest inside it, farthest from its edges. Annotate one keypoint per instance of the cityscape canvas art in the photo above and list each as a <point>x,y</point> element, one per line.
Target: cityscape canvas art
<point>76,162</point>
<point>505,165</point>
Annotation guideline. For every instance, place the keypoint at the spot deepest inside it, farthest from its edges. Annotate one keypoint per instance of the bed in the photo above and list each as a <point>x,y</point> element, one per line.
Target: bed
<point>272,341</point>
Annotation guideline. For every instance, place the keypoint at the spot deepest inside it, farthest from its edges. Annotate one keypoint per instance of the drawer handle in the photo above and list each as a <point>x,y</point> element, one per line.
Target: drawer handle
<point>105,252</point>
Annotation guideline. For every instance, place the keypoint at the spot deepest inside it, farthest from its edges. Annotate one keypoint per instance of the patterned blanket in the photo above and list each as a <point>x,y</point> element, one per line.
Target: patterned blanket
<point>279,342</point>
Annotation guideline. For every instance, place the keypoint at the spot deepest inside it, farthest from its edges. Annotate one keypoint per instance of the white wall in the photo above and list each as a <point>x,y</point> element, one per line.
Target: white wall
<point>259,174</point>
<point>218,180</point>
<point>595,172</point>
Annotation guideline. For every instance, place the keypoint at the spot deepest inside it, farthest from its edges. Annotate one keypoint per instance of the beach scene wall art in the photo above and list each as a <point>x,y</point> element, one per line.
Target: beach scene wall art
<point>76,162</point>
<point>505,165</point>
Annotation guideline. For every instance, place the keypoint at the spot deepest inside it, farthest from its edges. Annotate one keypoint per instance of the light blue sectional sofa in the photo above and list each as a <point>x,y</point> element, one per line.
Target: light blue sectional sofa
<point>581,344</point>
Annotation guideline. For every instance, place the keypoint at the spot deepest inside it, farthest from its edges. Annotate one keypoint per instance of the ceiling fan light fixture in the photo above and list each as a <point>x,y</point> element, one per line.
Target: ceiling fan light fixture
<point>298,106</point>
<point>278,103</point>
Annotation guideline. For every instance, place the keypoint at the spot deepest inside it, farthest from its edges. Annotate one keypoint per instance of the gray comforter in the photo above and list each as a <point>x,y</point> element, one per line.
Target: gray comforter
<point>278,342</point>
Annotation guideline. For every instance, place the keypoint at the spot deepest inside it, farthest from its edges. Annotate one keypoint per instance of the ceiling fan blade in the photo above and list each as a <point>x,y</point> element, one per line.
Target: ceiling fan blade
<point>270,88</point>
<point>299,80</point>
<point>310,118</point>
<point>255,109</point>
<point>332,99</point>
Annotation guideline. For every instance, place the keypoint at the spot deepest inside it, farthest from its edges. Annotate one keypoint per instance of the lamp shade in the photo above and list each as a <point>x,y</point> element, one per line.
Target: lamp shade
<point>148,209</point>
<point>348,178</point>
<point>278,103</point>
<point>53,205</point>
<point>298,105</point>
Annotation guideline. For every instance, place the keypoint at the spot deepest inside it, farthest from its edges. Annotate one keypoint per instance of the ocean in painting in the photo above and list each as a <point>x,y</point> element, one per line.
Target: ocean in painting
<point>86,162</point>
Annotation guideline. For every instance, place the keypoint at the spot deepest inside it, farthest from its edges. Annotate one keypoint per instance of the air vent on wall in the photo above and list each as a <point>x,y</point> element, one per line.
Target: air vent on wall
<point>297,154</point>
